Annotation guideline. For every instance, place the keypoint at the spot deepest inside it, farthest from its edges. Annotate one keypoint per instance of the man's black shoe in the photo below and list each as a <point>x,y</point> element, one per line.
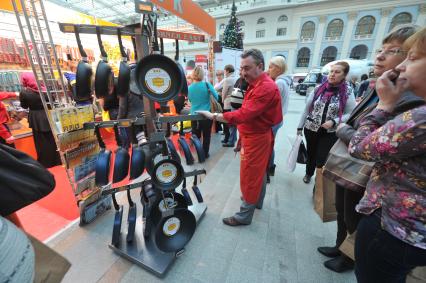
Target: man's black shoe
<point>227,145</point>
<point>340,264</point>
<point>329,251</point>
<point>272,170</point>
<point>224,141</point>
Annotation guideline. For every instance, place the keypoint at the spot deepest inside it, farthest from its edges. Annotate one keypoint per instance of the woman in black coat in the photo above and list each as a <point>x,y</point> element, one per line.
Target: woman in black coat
<point>44,141</point>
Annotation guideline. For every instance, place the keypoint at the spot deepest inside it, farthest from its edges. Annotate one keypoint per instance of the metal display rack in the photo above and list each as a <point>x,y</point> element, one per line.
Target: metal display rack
<point>66,120</point>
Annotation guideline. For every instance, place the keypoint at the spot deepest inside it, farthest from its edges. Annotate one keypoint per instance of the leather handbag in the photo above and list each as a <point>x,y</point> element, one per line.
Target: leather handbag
<point>302,155</point>
<point>345,170</point>
<point>215,106</point>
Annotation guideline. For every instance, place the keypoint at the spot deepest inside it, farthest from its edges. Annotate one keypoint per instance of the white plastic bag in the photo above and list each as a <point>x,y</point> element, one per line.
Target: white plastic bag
<point>292,157</point>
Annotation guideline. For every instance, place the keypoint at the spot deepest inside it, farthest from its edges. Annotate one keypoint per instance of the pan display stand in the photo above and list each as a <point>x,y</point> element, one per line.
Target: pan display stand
<point>145,253</point>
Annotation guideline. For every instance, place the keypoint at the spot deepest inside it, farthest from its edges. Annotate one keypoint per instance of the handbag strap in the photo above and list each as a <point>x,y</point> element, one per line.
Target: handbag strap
<point>208,89</point>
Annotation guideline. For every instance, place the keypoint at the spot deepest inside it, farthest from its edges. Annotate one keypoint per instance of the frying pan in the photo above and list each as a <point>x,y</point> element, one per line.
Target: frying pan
<point>131,218</point>
<point>184,146</point>
<point>184,89</point>
<point>196,190</point>
<point>153,156</point>
<point>148,197</point>
<point>185,193</point>
<point>116,230</point>
<point>83,81</point>
<point>171,145</point>
<point>198,148</point>
<point>104,78</point>
<point>157,76</point>
<point>137,163</point>
<point>124,71</point>
<point>121,162</point>
<point>168,174</point>
<point>102,162</point>
<point>170,200</point>
<point>175,231</point>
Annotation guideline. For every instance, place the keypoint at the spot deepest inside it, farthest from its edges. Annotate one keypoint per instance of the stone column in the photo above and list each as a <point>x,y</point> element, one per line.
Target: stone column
<point>320,34</point>
<point>421,19</point>
<point>381,32</point>
<point>291,60</point>
<point>348,35</point>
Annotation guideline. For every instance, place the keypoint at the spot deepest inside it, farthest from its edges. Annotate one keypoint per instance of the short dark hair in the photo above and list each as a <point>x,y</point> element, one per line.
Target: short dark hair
<point>400,33</point>
<point>364,77</point>
<point>345,66</point>
<point>256,54</point>
<point>229,68</point>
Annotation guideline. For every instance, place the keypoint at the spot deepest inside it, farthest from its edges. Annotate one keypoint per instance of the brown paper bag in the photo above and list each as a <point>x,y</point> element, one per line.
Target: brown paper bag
<point>324,197</point>
<point>417,275</point>
<point>50,267</point>
<point>348,246</point>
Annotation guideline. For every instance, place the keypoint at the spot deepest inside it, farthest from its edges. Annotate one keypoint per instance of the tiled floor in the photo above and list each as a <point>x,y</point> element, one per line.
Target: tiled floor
<point>279,246</point>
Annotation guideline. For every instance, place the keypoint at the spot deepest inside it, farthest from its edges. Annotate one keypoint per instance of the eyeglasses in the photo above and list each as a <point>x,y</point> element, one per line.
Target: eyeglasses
<point>391,52</point>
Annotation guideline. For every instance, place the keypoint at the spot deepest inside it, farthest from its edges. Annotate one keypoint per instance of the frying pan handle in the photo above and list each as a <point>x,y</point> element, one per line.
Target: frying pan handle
<point>80,46</point>
<point>129,198</point>
<point>133,134</point>
<point>101,45</point>
<point>195,180</point>
<point>168,130</point>
<point>162,46</point>
<point>114,202</point>
<point>134,47</point>
<point>155,45</point>
<point>120,43</point>
<point>181,133</point>
<point>184,183</point>
<point>177,50</point>
<point>117,134</point>
<point>98,136</point>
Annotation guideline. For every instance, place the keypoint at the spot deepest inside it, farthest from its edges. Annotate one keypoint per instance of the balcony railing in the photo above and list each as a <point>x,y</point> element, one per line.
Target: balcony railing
<point>363,36</point>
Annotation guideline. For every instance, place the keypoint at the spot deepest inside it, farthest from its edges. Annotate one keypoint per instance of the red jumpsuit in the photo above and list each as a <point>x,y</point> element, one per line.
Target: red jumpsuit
<point>4,117</point>
<point>261,109</point>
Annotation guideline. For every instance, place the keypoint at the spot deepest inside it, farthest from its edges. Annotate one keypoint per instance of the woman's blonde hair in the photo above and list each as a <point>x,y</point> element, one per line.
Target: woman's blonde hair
<point>417,41</point>
<point>279,61</point>
<point>198,74</point>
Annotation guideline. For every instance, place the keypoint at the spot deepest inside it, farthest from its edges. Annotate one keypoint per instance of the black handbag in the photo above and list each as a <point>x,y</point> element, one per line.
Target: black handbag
<point>22,180</point>
<point>302,155</point>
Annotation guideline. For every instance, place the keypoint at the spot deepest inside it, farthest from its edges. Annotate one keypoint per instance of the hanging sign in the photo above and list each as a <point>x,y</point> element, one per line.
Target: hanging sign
<point>181,35</point>
<point>190,12</point>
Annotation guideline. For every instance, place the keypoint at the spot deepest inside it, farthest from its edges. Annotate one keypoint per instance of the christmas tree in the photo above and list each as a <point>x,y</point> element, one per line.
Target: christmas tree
<point>232,37</point>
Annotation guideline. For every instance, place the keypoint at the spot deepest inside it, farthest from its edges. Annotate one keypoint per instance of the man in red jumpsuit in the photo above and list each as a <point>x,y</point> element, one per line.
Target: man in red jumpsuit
<point>261,109</point>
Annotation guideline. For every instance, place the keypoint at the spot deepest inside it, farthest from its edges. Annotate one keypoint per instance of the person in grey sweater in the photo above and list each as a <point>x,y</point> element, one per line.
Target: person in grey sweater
<point>328,105</point>
<point>276,70</point>
<point>227,88</point>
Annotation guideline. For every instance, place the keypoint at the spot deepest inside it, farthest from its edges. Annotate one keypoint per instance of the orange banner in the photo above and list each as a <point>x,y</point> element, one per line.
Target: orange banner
<point>190,12</point>
<point>7,5</point>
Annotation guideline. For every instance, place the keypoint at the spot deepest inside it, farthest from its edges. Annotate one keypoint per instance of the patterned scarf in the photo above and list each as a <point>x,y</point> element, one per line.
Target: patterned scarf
<point>326,91</point>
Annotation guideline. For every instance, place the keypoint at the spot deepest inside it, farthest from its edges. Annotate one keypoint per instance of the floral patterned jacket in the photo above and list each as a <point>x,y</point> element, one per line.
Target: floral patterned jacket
<point>398,180</point>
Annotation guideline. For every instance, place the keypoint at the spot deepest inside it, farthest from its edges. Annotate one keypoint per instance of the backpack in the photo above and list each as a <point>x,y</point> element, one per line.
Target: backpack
<point>237,97</point>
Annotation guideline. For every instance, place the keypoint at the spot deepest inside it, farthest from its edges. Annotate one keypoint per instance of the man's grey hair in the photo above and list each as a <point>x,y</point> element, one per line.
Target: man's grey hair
<point>256,54</point>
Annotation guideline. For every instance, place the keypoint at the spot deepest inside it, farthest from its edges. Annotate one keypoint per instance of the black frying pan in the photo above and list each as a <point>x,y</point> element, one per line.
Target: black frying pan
<point>148,197</point>
<point>121,162</point>
<point>102,162</point>
<point>116,230</point>
<point>157,76</point>
<point>184,146</point>
<point>185,193</point>
<point>124,72</point>
<point>137,163</point>
<point>196,190</point>
<point>198,148</point>
<point>83,81</point>
<point>184,89</point>
<point>131,218</point>
<point>175,231</point>
<point>104,77</point>
<point>170,200</point>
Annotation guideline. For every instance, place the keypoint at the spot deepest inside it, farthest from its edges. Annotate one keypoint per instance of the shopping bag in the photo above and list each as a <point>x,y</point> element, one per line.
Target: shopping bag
<point>417,275</point>
<point>302,155</point>
<point>348,246</point>
<point>50,267</point>
<point>294,152</point>
<point>324,197</point>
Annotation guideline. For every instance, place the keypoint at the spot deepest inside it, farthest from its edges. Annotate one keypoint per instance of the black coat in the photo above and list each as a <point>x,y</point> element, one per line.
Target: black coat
<point>37,117</point>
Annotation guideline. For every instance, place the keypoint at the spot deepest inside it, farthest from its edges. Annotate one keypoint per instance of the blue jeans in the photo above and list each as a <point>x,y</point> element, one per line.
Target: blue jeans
<point>232,133</point>
<point>274,132</point>
<point>381,257</point>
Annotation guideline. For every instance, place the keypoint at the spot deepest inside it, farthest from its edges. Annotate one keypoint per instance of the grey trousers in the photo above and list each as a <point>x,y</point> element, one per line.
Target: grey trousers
<point>245,215</point>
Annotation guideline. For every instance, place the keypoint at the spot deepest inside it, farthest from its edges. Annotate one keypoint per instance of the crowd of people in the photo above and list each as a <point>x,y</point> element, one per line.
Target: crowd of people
<point>380,120</point>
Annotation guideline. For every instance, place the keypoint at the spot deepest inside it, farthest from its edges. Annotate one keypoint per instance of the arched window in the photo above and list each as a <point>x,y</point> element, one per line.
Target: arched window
<point>400,19</point>
<point>222,26</point>
<point>365,26</point>
<point>283,18</point>
<point>359,52</point>
<point>242,23</point>
<point>190,64</point>
<point>308,30</point>
<point>334,28</point>
<point>329,54</point>
<point>261,21</point>
<point>303,57</point>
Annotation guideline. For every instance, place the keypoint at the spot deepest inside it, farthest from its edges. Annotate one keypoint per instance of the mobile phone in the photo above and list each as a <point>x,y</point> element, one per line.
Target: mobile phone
<point>393,76</point>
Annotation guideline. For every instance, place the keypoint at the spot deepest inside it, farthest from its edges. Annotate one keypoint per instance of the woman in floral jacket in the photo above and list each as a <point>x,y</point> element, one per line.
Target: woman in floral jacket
<point>391,240</point>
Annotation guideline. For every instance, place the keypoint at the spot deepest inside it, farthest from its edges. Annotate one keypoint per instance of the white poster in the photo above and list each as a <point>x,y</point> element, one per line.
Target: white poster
<point>228,56</point>
<point>201,60</point>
